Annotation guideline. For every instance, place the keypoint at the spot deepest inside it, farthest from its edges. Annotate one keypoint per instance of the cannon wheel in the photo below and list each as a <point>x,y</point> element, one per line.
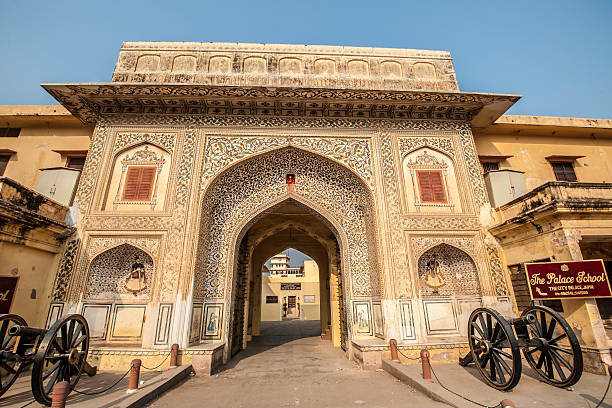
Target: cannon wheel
<point>553,350</point>
<point>9,370</point>
<point>60,357</point>
<point>494,348</point>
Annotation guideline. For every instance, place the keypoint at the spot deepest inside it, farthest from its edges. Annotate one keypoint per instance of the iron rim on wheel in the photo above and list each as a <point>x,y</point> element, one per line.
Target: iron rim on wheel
<point>60,356</point>
<point>9,370</point>
<point>494,348</point>
<point>553,350</point>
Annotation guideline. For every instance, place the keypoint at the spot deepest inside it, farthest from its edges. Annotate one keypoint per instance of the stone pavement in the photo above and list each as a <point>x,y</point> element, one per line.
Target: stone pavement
<point>21,393</point>
<point>290,366</point>
<point>530,391</point>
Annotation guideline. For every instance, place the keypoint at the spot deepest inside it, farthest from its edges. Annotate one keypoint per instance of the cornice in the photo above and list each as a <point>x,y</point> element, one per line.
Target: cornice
<point>91,101</point>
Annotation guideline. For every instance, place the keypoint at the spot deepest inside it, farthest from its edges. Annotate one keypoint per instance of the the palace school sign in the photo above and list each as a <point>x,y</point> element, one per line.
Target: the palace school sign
<point>567,280</point>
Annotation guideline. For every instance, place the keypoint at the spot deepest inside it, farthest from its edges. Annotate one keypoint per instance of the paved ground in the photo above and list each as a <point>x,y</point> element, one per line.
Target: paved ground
<point>290,366</point>
<point>21,393</point>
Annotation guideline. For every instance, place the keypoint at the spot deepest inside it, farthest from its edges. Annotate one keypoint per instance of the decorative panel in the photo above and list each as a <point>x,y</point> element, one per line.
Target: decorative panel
<point>128,322</point>
<point>213,316</point>
<point>196,322</point>
<point>164,319</point>
<point>55,312</point>
<point>97,317</point>
<point>407,319</point>
<point>440,317</point>
<point>379,320</point>
<point>362,322</point>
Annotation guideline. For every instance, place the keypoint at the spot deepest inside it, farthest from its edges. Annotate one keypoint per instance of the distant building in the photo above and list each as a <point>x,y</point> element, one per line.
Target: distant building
<point>279,265</point>
<point>290,293</point>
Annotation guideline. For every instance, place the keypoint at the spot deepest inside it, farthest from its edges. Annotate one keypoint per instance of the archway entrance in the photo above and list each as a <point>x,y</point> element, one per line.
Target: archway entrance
<point>248,207</point>
<point>289,225</point>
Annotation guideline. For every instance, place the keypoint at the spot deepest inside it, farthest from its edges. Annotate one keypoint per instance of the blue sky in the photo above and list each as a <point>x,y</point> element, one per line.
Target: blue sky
<point>557,54</point>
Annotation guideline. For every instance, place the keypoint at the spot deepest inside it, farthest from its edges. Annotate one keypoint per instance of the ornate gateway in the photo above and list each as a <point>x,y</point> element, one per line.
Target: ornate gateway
<point>199,148</point>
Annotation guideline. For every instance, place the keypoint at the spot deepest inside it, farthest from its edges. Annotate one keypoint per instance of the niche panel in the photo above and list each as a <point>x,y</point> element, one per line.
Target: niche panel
<point>123,272</point>
<point>430,182</point>
<point>147,63</point>
<point>139,180</point>
<point>184,63</point>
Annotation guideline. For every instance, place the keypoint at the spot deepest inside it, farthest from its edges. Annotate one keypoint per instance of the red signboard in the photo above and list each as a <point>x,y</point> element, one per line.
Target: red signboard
<point>567,280</point>
<point>7,292</point>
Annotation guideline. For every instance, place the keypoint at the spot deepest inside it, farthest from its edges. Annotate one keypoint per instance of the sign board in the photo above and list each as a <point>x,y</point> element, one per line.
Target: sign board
<point>567,280</point>
<point>271,299</point>
<point>291,286</point>
<point>7,292</point>
<point>309,298</point>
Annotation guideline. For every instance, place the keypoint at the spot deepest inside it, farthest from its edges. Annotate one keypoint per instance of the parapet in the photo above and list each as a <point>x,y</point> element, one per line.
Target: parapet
<point>275,65</point>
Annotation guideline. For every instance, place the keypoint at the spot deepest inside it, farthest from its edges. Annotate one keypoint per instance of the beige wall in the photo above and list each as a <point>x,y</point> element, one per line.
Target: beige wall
<point>530,145</point>
<point>43,129</point>
<point>271,286</point>
<point>36,271</point>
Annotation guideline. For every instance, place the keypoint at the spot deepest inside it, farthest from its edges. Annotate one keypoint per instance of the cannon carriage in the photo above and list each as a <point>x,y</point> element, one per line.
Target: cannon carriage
<point>548,343</point>
<point>55,354</point>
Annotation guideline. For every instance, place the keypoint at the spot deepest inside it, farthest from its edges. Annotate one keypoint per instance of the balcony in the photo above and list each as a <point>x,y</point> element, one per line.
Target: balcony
<point>555,198</point>
<point>29,218</point>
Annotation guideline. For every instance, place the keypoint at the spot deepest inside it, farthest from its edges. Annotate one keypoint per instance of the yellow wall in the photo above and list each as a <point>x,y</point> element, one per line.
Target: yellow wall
<point>529,150</point>
<point>310,286</point>
<point>43,129</point>
<point>52,129</point>
<point>35,270</point>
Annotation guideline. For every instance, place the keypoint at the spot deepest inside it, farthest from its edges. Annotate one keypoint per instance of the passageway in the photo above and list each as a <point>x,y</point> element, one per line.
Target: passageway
<point>288,365</point>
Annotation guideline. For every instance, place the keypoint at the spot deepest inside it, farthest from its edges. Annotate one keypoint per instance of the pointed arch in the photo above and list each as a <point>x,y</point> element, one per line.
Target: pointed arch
<point>250,188</point>
<point>446,270</point>
<point>109,272</point>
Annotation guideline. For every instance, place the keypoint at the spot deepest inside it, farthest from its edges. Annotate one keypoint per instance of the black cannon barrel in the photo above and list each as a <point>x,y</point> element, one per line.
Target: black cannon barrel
<point>523,320</point>
<point>26,331</point>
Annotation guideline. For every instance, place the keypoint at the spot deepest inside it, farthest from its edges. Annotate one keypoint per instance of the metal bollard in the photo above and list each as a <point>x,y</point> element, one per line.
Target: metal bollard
<point>60,393</point>
<point>507,404</point>
<point>134,376</point>
<point>393,347</point>
<point>425,365</point>
<point>174,355</point>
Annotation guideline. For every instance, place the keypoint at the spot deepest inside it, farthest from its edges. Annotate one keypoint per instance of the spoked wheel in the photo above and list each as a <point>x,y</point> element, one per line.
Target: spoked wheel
<point>10,366</point>
<point>494,348</point>
<point>553,350</point>
<point>60,356</point>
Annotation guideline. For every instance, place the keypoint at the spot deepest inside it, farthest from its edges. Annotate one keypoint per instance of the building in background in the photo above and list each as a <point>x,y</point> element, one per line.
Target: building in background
<point>279,265</point>
<point>418,202</point>
<point>36,142</point>
<point>290,293</point>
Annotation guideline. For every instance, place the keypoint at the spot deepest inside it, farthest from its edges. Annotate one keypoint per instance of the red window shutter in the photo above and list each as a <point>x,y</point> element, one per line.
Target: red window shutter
<point>139,182</point>
<point>431,186</point>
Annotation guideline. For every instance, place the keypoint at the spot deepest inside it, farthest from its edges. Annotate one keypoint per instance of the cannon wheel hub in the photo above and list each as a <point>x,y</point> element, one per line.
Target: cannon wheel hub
<point>73,356</point>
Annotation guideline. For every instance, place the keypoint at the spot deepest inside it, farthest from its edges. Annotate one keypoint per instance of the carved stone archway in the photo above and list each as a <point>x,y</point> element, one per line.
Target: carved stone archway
<point>248,188</point>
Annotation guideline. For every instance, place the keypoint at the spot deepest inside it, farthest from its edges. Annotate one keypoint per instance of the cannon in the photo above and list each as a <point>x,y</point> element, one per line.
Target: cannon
<point>56,354</point>
<point>546,339</point>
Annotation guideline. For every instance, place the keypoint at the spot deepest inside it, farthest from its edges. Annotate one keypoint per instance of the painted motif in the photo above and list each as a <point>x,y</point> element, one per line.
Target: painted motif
<point>445,270</point>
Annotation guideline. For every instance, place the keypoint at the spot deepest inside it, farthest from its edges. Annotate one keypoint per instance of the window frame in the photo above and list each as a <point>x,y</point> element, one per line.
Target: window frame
<point>566,164</point>
<point>141,168</point>
<point>442,185</point>
<point>4,166</point>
